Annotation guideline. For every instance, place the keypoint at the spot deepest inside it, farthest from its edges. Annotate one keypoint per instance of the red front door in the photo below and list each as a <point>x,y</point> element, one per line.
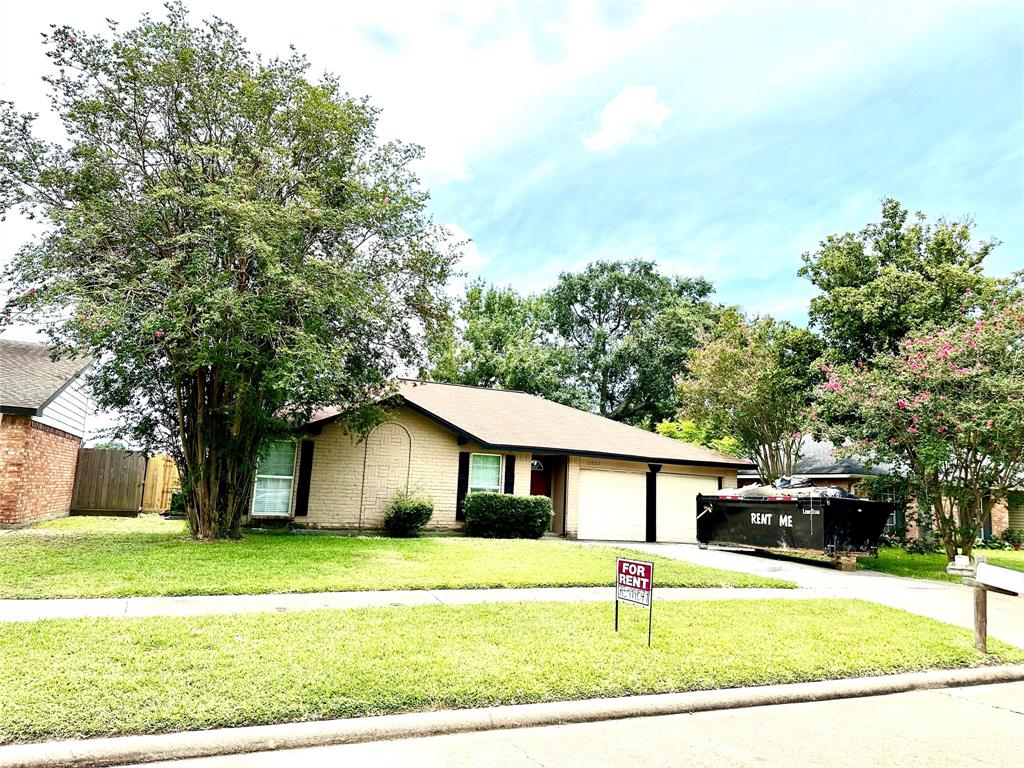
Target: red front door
<point>539,483</point>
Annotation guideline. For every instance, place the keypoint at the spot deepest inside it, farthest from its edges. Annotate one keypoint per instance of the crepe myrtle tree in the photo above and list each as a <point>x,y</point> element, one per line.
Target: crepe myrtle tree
<point>947,405</point>
<point>754,381</point>
<point>225,237</point>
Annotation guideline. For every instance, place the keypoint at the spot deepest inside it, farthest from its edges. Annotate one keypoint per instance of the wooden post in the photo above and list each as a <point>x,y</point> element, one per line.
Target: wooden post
<point>980,619</point>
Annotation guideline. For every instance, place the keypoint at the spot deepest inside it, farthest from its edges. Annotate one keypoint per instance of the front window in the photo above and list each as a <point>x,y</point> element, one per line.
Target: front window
<point>485,473</point>
<point>272,496</point>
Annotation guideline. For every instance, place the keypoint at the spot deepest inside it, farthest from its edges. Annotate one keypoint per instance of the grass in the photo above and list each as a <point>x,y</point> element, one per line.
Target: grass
<point>119,557</point>
<point>93,677</point>
<point>895,561</point>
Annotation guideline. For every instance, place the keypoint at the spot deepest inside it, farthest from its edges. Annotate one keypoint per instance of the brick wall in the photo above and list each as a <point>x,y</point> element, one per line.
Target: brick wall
<point>352,482</point>
<point>37,471</point>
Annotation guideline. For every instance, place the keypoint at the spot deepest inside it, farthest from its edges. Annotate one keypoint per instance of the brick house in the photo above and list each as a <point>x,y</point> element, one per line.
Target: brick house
<point>606,480</point>
<point>42,420</point>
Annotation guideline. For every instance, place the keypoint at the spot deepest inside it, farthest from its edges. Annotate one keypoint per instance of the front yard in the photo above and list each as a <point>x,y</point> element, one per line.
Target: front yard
<point>118,557</point>
<point>98,677</point>
<point>897,562</point>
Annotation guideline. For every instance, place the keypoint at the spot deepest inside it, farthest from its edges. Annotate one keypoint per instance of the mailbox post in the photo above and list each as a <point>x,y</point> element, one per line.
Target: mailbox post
<point>991,578</point>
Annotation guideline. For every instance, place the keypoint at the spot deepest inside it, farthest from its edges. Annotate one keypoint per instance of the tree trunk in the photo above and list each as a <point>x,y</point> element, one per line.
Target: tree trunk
<point>221,433</point>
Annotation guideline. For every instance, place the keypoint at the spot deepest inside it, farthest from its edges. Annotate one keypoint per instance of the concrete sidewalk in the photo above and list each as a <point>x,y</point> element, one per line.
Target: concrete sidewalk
<point>201,605</point>
<point>943,600</point>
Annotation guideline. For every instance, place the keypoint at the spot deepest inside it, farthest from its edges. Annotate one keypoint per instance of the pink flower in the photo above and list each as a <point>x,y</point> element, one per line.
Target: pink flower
<point>912,430</point>
<point>902,404</point>
<point>941,430</point>
<point>989,423</point>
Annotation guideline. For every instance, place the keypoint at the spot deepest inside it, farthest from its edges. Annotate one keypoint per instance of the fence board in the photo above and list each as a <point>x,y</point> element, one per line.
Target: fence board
<point>108,480</point>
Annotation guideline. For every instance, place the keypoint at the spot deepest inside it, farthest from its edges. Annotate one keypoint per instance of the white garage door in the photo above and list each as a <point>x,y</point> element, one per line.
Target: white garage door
<point>613,505</point>
<point>677,505</point>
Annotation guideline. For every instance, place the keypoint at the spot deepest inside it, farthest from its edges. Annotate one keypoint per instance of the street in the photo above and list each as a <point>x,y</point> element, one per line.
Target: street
<point>952,728</point>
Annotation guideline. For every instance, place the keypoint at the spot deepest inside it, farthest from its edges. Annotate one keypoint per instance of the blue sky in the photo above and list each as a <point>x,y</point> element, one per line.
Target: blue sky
<point>718,138</point>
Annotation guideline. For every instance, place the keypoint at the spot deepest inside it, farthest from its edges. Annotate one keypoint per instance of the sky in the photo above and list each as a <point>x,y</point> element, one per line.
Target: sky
<point>720,139</point>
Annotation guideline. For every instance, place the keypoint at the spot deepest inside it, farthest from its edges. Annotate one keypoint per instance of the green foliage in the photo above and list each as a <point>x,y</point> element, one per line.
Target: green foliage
<point>895,277</point>
<point>177,505</point>
<point>226,238</point>
<point>407,514</point>
<point>499,339</point>
<point>1014,536</point>
<point>924,562</point>
<point>110,446</point>
<point>949,406</point>
<point>507,516</point>
<point>689,432</point>
<point>753,381</point>
<point>629,330</point>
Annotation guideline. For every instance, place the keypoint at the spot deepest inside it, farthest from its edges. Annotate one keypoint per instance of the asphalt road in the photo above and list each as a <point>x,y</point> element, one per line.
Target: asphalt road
<point>952,728</point>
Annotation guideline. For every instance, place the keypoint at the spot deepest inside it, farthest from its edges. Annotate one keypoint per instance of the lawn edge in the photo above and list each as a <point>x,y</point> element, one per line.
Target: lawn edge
<point>96,753</point>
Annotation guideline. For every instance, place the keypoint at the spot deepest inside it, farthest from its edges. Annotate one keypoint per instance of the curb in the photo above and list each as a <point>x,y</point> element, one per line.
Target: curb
<point>94,753</point>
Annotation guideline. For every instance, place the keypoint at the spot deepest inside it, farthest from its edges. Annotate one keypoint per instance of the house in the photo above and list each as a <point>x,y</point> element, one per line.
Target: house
<point>42,420</point>
<point>606,480</point>
<point>820,467</point>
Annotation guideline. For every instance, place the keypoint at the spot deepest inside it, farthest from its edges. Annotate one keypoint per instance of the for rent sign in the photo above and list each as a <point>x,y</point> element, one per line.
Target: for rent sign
<point>634,583</point>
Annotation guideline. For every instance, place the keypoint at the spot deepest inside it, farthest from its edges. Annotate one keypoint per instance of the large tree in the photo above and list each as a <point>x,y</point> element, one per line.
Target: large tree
<point>895,276</point>
<point>499,338</point>
<point>754,381</point>
<point>629,329</point>
<point>949,407</point>
<point>225,237</point>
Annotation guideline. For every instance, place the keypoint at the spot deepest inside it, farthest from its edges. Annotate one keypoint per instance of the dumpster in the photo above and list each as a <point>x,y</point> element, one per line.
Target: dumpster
<point>792,516</point>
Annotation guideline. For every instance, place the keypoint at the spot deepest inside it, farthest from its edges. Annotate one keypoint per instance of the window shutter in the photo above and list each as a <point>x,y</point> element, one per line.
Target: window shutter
<point>305,471</point>
<point>510,474</point>
<point>463,487</point>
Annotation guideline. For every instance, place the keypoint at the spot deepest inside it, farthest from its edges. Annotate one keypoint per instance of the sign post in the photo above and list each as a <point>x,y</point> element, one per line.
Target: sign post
<point>634,583</point>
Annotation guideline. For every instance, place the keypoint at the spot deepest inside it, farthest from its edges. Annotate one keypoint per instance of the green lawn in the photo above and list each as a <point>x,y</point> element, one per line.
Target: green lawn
<point>91,677</point>
<point>897,562</point>
<point>113,557</point>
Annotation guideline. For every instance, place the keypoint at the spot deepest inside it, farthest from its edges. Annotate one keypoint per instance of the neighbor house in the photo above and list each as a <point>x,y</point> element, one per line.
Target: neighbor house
<point>819,466</point>
<point>42,419</point>
<point>606,480</point>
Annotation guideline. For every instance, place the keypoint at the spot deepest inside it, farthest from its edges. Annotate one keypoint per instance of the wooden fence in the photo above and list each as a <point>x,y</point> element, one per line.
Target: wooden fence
<point>111,481</point>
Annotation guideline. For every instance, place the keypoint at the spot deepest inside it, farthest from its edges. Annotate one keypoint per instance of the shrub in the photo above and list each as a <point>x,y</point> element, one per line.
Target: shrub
<point>177,505</point>
<point>406,514</point>
<point>504,516</point>
<point>992,543</point>
<point>1014,537</point>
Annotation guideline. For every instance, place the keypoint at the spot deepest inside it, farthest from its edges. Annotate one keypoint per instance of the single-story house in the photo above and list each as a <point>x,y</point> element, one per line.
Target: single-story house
<point>606,480</point>
<point>42,419</point>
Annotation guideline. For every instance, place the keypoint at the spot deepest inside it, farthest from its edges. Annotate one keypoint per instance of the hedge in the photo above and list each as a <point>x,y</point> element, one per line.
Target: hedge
<point>505,516</point>
<point>407,514</point>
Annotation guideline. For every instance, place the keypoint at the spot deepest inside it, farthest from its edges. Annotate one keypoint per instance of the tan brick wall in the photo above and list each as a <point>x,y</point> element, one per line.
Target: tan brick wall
<point>353,481</point>
<point>37,471</point>
<point>1000,517</point>
<point>582,462</point>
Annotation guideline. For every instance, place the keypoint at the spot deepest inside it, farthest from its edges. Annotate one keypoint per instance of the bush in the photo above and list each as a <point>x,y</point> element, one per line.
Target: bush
<point>504,516</point>
<point>406,514</point>
<point>991,543</point>
<point>177,505</point>
<point>1014,537</point>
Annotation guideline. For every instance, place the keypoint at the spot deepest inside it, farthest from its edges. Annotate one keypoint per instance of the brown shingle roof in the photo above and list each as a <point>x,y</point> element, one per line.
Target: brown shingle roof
<point>29,378</point>
<point>511,420</point>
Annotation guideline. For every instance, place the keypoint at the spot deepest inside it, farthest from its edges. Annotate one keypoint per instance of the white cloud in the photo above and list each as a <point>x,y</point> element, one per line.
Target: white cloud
<point>635,114</point>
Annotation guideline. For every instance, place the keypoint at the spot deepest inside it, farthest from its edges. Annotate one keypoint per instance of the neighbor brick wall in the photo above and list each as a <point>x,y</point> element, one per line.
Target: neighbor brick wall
<point>353,481</point>
<point>1000,518</point>
<point>37,471</point>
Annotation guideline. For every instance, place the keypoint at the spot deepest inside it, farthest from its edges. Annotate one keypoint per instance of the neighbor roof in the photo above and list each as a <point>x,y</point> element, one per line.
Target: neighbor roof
<point>817,459</point>
<point>29,379</point>
<point>515,421</point>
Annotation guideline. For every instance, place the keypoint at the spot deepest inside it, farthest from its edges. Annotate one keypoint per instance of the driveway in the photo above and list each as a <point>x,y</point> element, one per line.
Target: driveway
<point>923,728</point>
<point>946,601</point>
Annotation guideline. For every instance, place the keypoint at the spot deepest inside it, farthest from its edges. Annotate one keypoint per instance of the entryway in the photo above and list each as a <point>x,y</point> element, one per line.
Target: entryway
<point>547,478</point>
